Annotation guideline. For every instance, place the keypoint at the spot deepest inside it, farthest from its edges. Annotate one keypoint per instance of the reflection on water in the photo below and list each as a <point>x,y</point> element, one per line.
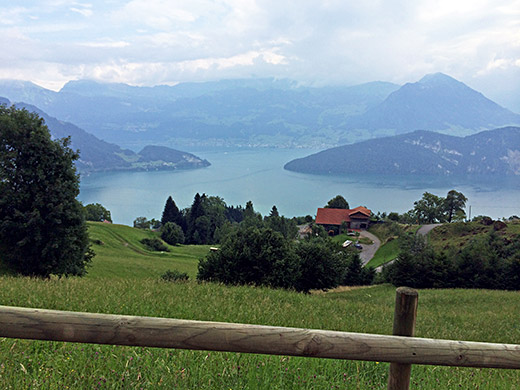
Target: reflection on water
<point>258,175</point>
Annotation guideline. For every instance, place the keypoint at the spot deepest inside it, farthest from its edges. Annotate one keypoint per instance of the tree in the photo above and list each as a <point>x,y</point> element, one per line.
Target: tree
<point>429,209</point>
<point>42,224</point>
<point>338,202</point>
<point>172,233</point>
<point>454,205</point>
<point>171,213</point>
<point>96,212</point>
<point>142,223</point>
<point>322,264</point>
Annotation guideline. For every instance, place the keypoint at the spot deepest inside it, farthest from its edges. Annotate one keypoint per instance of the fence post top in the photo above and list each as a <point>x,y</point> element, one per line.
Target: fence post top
<point>407,291</point>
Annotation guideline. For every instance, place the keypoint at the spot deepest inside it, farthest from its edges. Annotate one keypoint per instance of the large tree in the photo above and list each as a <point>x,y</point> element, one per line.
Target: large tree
<point>454,205</point>
<point>338,202</point>
<point>429,209</point>
<point>97,212</point>
<point>42,224</point>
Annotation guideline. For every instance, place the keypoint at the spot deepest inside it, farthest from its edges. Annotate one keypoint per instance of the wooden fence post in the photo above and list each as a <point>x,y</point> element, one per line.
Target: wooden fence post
<point>404,325</point>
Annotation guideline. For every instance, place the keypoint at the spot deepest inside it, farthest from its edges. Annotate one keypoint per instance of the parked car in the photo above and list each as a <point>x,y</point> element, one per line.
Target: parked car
<point>358,245</point>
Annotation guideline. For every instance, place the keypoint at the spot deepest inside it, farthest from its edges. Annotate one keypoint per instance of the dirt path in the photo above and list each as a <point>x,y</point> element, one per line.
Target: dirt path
<point>369,251</point>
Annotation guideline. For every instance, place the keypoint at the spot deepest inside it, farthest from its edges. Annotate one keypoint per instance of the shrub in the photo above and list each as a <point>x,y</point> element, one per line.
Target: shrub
<point>175,276</point>
<point>172,233</point>
<point>154,244</point>
<point>252,256</point>
<point>265,257</point>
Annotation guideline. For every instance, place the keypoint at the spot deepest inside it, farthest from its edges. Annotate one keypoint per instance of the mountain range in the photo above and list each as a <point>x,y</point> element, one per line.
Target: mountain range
<point>491,152</point>
<point>264,112</point>
<point>98,155</point>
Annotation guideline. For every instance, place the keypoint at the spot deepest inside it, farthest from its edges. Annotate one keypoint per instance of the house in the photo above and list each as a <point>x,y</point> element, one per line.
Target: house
<point>355,219</point>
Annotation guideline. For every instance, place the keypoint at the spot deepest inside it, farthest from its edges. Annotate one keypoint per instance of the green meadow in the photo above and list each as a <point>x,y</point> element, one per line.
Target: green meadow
<point>125,279</point>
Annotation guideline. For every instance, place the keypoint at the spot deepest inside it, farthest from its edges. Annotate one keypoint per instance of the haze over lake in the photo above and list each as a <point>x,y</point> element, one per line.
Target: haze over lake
<point>239,175</point>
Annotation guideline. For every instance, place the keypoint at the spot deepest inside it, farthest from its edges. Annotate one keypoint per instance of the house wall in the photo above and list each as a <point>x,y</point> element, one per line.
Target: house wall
<point>359,224</point>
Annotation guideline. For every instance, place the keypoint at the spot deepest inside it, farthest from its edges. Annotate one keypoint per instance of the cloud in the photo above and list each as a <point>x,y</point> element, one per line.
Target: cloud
<point>83,11</point>
<point>332,41</point>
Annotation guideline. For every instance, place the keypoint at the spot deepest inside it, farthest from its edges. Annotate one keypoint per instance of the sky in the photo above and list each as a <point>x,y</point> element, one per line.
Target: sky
<point>327,42</point>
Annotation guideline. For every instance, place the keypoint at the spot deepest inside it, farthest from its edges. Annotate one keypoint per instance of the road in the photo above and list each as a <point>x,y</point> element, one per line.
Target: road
<point>369,251</point>
<point>425,229</point>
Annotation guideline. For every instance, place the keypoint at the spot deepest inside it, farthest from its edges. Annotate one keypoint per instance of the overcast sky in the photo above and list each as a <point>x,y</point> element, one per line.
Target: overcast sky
<point>150,42</point>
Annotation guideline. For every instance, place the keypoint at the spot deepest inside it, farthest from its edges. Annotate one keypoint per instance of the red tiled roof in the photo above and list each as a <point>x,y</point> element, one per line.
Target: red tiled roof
<point>326,216</point>
<point>362,212</point>
<point>332,216</point>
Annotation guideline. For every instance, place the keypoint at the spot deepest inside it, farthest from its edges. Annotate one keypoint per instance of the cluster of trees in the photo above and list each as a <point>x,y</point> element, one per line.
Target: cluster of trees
<point>42,224</point>
<point>489,262</point>
<point>432,209</point>
<point>210,219</point>
<point>263,256</point>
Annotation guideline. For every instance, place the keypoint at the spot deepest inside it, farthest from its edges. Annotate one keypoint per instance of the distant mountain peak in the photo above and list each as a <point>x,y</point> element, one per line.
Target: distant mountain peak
<point>438,78</point>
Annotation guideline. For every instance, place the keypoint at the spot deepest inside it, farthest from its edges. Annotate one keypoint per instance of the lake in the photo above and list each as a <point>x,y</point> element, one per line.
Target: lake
<point>239,175</point>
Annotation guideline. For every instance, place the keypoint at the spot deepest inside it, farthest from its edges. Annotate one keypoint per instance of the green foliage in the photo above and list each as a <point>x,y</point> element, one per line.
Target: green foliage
<point>171,213</point>
<point>97,213</point>
<point>322,264</point>
<point>142,223</point>
<point>175,276</point>
<point>154,244</point>
<point>338,202</point>
<point>429,209</point>
<point>488,262</point>
<point>454,204</point>
<point>172,233</point>
<point>250,255</point>
<point>42,225</point>
<point>281,224</point>
<point>356,274</point>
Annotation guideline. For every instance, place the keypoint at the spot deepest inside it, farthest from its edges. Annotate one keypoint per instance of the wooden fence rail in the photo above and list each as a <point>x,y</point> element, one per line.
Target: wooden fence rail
<point>40,324</point>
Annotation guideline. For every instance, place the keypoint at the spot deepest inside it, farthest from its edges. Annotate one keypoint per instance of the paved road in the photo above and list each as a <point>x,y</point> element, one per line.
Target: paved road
<point>369,251</point>
<point>425,229</point>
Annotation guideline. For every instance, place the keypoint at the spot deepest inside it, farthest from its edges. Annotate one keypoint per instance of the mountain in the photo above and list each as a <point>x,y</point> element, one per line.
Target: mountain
<point>250,112</point>
<point>98,155</point>
<point>492,152</point>
<point>437,102</point>
<point>264,112</point>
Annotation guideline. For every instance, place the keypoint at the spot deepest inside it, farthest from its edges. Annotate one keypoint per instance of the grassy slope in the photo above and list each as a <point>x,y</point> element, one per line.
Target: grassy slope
<point>122,255</point>
<point>456,235</point>
<point>389,248</point>
<point>451,314</point>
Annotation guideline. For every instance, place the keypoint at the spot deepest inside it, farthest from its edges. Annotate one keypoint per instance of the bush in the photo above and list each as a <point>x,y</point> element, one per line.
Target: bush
<point>265,257</point>
<point>175,276</point>
<point>252,256</point>
<point>486,262</point>
<point>322,264</point>
<point>172,233</point>
<point>154,244</point>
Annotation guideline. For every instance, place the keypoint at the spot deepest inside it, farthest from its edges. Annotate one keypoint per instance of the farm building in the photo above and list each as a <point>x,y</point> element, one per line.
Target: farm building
<point>355,219</point>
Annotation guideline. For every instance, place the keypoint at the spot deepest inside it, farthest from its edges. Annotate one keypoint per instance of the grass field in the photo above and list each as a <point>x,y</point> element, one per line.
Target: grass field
<point>132,286</point>
<point>120,254</point>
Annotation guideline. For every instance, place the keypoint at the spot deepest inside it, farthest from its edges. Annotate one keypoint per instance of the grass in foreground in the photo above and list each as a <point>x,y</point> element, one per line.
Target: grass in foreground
<point>451,314</point>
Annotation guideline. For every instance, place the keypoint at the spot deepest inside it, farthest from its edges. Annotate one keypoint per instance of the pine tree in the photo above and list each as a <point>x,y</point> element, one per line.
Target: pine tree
<point>171,213</point>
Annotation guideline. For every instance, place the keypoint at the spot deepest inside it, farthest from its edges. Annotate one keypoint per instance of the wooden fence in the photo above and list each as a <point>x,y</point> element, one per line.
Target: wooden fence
<point>401,352</point>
